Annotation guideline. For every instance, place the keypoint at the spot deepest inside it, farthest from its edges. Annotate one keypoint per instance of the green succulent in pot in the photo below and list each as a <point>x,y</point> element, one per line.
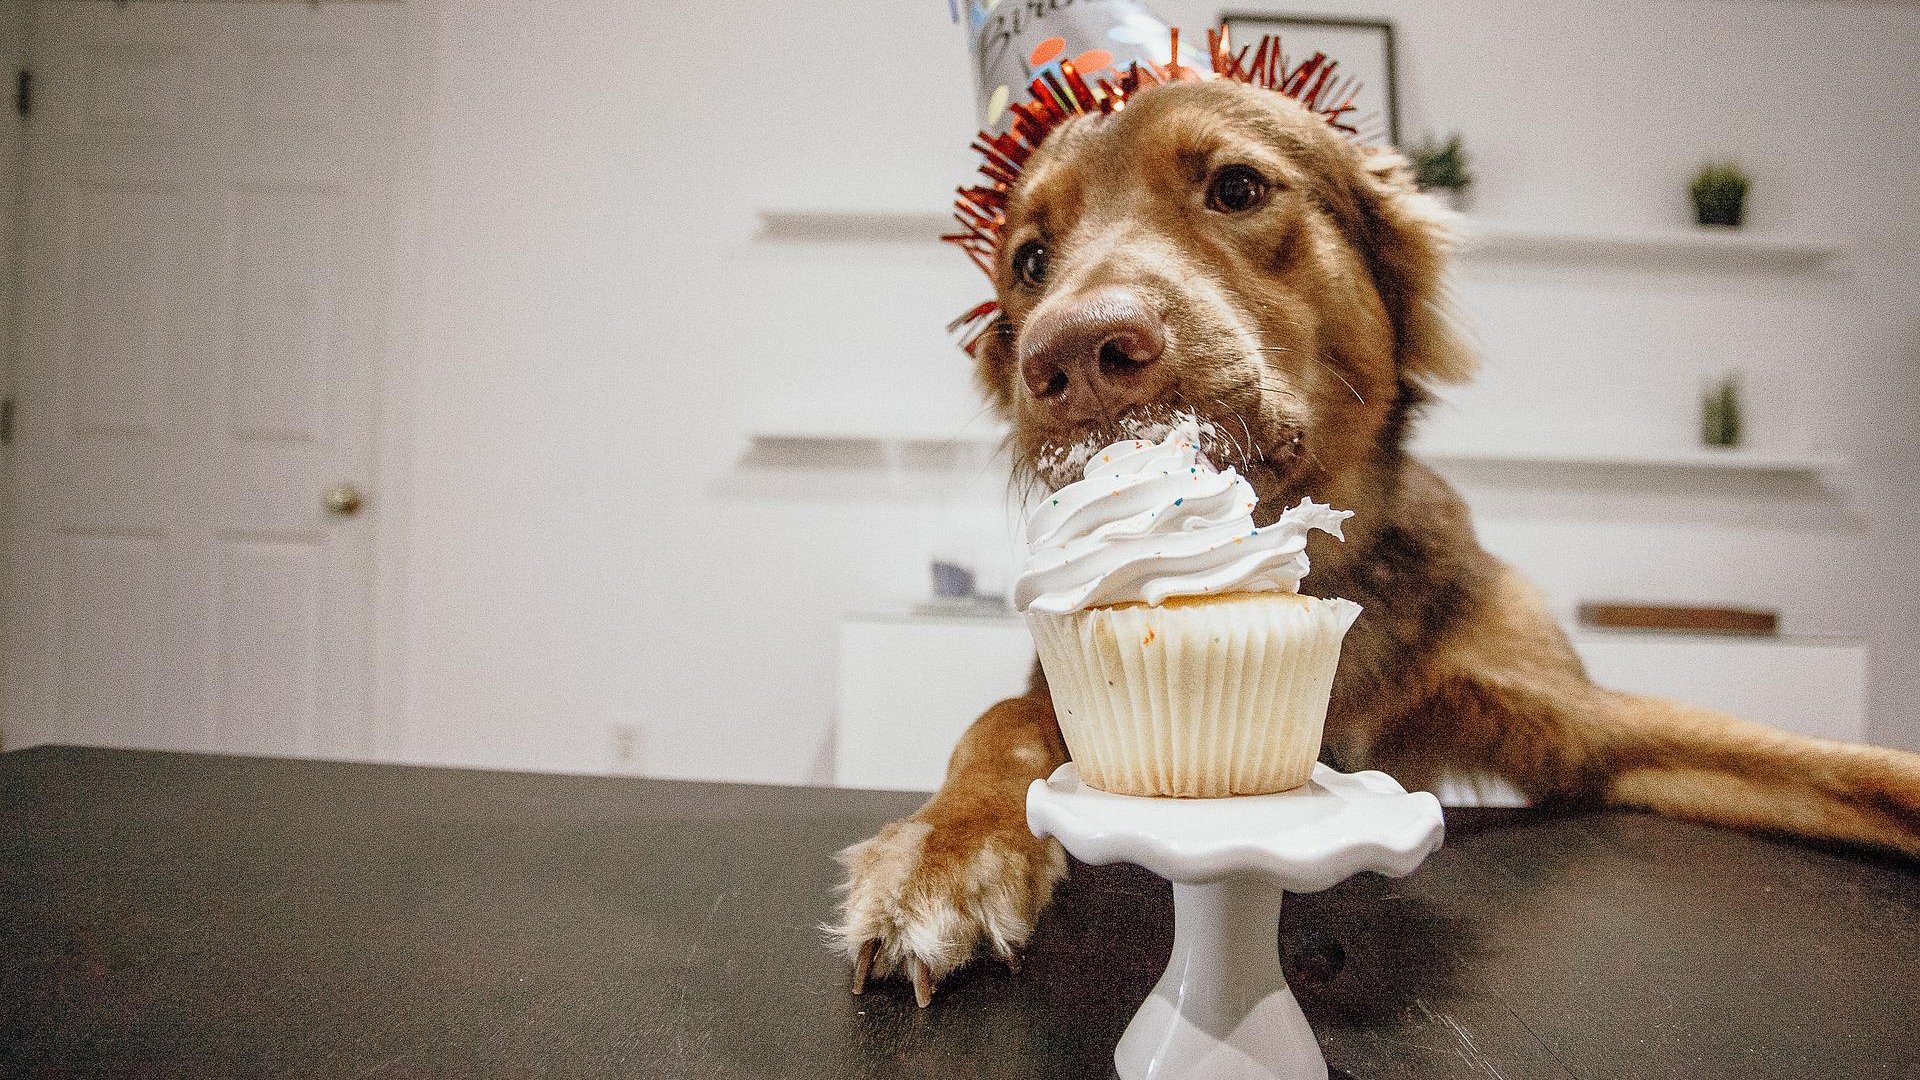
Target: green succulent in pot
<point>1720,194</point>
<point>1720,413</point>
<point>1440,166</point>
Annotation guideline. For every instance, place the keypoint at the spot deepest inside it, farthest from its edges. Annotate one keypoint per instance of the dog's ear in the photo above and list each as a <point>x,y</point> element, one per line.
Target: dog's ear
<point>1409,243</point>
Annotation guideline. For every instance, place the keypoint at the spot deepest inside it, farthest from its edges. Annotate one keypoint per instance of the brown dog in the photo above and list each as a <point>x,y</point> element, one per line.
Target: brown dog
<point>1218,249</point>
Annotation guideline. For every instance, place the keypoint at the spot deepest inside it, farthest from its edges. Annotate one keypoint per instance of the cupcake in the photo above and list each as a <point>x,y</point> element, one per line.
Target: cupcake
<point>1182,658</point>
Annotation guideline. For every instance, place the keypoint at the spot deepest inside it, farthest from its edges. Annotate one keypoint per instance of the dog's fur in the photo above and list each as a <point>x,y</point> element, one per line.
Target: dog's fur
<point>1306,330</point>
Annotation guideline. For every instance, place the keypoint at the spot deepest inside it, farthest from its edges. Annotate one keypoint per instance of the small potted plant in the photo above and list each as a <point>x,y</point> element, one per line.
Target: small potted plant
<point>1440,168</point>
<point>1720,419</point>
<point>1720,195</point>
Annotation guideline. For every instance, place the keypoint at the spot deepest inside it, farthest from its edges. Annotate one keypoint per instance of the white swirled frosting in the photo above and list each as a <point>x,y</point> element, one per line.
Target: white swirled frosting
<point>1152,520</point>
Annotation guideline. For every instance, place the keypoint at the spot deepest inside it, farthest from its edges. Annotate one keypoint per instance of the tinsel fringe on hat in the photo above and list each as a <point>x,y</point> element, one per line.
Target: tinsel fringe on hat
<point>1054,99</point>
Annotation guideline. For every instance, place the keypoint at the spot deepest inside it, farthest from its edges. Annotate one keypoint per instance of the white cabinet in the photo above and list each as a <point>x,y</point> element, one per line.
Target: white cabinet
<point>910,685</point>
<point>1812,686</point>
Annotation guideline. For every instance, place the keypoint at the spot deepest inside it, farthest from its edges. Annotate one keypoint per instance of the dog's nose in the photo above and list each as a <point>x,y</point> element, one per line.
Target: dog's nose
<point>1094,354</point>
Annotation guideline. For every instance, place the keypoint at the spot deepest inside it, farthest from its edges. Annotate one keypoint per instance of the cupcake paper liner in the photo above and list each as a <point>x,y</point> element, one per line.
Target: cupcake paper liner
<point>1198,699</point>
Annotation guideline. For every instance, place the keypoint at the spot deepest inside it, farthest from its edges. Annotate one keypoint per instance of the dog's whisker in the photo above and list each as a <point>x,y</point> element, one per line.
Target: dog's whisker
<point>1342,378</point>
<point>1316,359</point>
<point>1248,432</point>
<point>1283,391</point>
<point>953,442</point>
<point>1243,450</point>
<point>1233,444</point>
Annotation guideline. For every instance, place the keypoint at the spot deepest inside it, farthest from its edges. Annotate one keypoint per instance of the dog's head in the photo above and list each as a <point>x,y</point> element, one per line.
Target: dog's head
<point>1215,248</point>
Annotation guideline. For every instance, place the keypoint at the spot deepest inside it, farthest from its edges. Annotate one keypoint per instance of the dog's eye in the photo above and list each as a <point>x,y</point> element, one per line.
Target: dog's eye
<point>1030,262</point>
<point>1236,189</point>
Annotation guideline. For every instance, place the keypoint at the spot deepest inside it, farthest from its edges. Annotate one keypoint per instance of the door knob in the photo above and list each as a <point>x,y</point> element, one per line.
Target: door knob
<point>344,499</point>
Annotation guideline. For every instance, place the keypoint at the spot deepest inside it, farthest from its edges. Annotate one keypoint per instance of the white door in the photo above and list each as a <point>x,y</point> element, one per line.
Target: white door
<point>202,308</point>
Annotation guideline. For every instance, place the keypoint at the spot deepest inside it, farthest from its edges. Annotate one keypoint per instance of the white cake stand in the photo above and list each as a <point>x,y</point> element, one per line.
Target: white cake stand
<point>1223,1010</point>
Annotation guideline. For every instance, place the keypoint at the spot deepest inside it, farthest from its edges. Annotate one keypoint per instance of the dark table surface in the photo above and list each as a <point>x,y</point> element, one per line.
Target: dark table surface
<point>185,915</point>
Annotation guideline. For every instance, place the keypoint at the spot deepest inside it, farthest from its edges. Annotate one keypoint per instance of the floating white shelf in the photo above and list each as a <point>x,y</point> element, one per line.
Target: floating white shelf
<point>1725,248</point>
<point>853,439</point>
<point>853,226</point>
<point>982,432</point>
<point>815,452</point>
<point>1695,458</point>
<point>1484,239</point>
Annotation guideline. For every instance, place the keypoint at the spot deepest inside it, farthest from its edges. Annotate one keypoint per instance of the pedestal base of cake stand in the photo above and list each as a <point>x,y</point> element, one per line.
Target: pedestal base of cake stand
<point>1223,1010</point>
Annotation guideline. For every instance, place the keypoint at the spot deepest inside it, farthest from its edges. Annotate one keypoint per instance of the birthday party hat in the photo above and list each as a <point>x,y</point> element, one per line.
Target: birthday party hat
<point>1013,42</point>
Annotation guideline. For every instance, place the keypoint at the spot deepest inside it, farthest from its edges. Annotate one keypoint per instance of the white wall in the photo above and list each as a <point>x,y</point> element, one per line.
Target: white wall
<point>598,332</point>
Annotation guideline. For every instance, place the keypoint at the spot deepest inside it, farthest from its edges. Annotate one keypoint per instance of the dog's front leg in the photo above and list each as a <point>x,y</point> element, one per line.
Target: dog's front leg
<point>1696,763</point>
<point>1558,738</point>
<point>925,892</point>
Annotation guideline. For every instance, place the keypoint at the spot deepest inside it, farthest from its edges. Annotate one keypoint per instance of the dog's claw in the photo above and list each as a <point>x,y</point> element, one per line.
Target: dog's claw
<point>921,919</point>
<point>922,981</point>
<point>863,965</point>
<point>1013,961</point>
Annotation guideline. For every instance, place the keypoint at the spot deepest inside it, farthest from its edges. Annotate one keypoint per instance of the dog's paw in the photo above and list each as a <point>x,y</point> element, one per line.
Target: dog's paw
<point>921,900</point>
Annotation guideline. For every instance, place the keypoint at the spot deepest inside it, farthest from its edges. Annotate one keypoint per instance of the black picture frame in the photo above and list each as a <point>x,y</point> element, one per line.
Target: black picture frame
<point>1247,26</point>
